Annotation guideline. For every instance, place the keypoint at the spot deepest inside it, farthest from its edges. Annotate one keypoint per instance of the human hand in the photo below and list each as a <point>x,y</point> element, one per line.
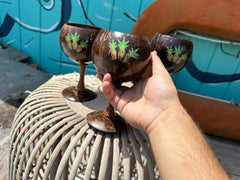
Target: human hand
<point>141,104</point>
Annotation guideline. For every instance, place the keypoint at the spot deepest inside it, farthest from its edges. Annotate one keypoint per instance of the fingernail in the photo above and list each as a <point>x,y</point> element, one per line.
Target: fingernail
<point>154,53</point>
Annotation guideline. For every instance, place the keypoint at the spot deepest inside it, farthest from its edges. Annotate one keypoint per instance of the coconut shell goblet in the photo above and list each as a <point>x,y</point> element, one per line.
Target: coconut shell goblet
<point>76,42</point>
<point>173,51</point>
<point>125,57</point>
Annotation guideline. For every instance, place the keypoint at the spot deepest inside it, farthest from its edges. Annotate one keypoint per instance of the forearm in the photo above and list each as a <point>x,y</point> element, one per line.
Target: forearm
<point>180,149</point>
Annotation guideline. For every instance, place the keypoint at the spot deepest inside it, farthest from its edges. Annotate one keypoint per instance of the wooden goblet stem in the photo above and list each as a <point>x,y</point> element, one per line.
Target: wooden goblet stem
<point>107,120</point>
<point>79,93</point>
<point>81,86</point>
<point>109,111</point>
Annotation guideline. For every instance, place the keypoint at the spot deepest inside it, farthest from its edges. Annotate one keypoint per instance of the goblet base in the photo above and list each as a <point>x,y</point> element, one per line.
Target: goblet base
<point>72,94</point>
<point>104,123</point>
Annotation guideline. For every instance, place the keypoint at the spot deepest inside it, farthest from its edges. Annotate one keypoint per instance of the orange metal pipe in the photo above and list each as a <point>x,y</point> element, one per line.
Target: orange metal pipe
<point>219,18</point>
<point>214,117</point>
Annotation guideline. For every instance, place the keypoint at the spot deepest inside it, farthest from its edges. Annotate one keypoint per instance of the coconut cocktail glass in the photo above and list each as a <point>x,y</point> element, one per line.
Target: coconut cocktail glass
<point>173,51</point>
<point>125,57</point>
<point>76,42</point>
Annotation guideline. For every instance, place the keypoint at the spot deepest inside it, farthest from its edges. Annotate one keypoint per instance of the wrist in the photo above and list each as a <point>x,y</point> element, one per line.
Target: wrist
<point>166,119</point>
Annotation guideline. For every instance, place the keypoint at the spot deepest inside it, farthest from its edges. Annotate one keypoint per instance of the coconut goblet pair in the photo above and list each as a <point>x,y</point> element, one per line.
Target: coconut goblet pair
<point>126,58</point>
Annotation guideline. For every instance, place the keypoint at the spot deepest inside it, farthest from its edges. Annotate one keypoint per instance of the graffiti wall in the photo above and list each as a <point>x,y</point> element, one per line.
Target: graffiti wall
<point>213,70</point>
<point>34,26</point>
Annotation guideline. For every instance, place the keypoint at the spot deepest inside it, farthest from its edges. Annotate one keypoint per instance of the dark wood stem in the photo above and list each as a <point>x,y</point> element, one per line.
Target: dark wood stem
<point>109,111</point>
<point>81,86</point>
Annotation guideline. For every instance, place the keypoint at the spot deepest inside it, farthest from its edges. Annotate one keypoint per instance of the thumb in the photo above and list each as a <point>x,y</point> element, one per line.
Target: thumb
<point>157,65</point>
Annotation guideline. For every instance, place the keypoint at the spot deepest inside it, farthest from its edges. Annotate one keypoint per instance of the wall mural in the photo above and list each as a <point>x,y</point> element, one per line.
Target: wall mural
<point>13,14</point>
<point>206,77</point>
<point>6,25</point>
<point>47,18</point>
<point>47,5</point>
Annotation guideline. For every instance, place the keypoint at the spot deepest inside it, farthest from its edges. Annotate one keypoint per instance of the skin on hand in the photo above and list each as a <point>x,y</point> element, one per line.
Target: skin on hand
<point>152,105</point>
<point>141,104</point>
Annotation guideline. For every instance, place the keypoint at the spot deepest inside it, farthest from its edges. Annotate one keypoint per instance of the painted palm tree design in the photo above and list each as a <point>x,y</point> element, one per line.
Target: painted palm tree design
<point>177,52</point>
<point>176,55</point>
<point>122,45</point>
<point>73,40</point>
<point>82,45</point>
<point>113,50</point>
<point>68,39</point>
<point>170,54</point>
<point>182,58</point>
<point>120,52</point>
<point>131,54</point>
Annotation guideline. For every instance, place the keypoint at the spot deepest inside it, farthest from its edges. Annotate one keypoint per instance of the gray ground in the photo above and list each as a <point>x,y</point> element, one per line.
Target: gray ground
<point>15,79</point>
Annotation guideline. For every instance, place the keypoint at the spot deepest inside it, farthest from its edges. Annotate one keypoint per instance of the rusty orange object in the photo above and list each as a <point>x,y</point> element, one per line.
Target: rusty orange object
<point>214,117</point>
<point>219,18</point>
<point>21,127</point>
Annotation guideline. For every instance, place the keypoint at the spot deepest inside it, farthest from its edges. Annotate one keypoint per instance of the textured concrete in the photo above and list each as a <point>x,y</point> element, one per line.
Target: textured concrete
<point>15,79</point>
<point>12,53</point>
<point>4,146</point>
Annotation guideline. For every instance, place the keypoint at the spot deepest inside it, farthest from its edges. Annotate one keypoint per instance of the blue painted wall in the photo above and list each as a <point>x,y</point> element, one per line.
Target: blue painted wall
<point>34,26</point>
<point>213,70</point>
